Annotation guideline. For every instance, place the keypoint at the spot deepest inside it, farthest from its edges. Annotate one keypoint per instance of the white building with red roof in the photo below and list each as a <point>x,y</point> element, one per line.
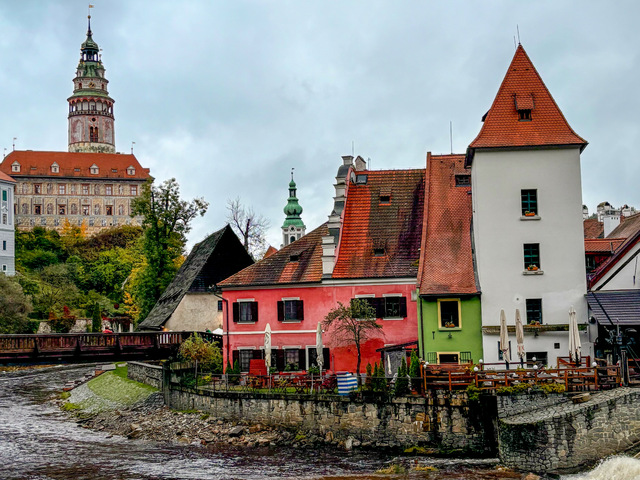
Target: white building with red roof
<point>90,185</point>
<point>7,228</point>
<point>527,215</point>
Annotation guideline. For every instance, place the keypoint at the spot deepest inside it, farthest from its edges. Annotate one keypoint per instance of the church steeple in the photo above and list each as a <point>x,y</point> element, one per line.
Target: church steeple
<point>90,107</point>
<point>293,227</point>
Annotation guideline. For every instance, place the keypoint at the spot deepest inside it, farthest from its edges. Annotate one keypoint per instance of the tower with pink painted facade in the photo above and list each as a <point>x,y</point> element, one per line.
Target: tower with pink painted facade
<point>90,107</point>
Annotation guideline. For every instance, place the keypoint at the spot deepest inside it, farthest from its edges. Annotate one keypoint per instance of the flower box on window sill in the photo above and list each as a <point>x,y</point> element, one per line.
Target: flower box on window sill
<point>533,272</point>
<point>449,329</point>
<point>530,217</point>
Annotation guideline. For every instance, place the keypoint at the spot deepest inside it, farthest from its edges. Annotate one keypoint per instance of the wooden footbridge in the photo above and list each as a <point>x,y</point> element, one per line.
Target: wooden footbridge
<point>88,347</point>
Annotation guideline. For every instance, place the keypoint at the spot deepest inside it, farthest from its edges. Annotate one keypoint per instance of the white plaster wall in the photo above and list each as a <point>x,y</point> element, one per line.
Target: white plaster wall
<point>7,231</point>
<point>622,277</point>
<point>499,234</point>
<point>196,312</point>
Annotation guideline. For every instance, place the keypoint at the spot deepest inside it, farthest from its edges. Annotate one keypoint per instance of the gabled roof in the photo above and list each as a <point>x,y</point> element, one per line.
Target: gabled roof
<point>298,262</point>
<point>627,228</point>
<point>6,178</point>
<point>73,164</point>
<point>619,305</point>
<point>522,88</point>
<point>219,255</point>
<point>593,228</point>
<point>632,233</point>
<point>392,227</point>
<point>602,245</point>
<point>446,264</point>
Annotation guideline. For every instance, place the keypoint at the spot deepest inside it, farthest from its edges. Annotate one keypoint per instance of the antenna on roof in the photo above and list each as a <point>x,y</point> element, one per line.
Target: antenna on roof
<point>353,148</point>
<point>368,163</point>
<point>14,142</point>
<point>518,30</point>
<point>451,135</point>
<point>132,144</point>
<point>515,45</point>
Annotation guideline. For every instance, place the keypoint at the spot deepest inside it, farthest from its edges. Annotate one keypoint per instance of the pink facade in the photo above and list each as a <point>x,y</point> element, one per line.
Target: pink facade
<point>317,301</point>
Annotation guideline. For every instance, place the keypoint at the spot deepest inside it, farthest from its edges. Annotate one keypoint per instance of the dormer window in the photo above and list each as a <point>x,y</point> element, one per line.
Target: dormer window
<point>524,106</point>
<point>378,252</point>
<point>294,257</point>
<point>55,168</point>
<point>114,170</point>
<point>94,169</point>
<point>15,167</point>
<point>385,198</point>
<point>361,179</point>
<point>463,180</point>
<point>131,170</point>
<point>524,115</point>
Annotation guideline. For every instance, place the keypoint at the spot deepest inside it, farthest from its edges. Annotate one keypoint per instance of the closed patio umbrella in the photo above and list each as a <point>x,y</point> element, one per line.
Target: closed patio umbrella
<point>504,338</point>
<point>319,348</point>
<point>520,337</point>
<point>267,347</point>
<point>574,337</point>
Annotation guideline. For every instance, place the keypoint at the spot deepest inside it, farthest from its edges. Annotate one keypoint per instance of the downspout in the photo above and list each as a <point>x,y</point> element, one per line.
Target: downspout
<point>422,339</point>
<point>218,293</point>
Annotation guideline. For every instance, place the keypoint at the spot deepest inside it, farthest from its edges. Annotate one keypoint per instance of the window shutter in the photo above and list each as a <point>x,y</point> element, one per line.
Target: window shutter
<point>258,354</point>
<point>235,357</point>
<point>326,359</point>
<point>236,311</point>
<point>254,311</point>
<point>279,360</point>
<point>302,359</point>
<point>403,307</point>
<point>280,311</point>
<point>300,310</point>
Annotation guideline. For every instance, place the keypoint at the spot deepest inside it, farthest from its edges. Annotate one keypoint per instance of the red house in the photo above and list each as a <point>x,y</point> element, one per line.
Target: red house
<point>369,248</point>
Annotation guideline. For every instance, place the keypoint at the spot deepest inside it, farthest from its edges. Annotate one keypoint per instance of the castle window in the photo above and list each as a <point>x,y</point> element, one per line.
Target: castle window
<point>134,190</point>
<point>463,180</point>
<point>529,202</point>
<point>86,210</point>
<point>131,171</point>
<point>55,168</point>
<point>524,115</point>
<point>85,189</point>
<point>37,209</point>
<point>531,256</point>
<point>62,210</point>
<point>15,167</point>
<point>534,310</point>
<point>61,189</point>
<point>93,133</point>
<point>108,189</point>
<point>94,169</point>
<point>108,210</point>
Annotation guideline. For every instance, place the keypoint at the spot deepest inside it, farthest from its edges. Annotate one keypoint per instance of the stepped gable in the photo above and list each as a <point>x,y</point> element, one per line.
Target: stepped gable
<point>382,226</point>
<point>74,165</point>
<point>298,262</point>
<point>523,90</point>
<point>446,266</point>
<point>216,257</point>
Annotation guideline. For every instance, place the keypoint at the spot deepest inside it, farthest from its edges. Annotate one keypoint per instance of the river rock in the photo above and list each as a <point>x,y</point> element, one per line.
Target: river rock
<point>348,444</point>
<point>531,476</point>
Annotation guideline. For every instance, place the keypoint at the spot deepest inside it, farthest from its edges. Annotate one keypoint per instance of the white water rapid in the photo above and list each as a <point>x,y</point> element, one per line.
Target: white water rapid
<point>613,468</point>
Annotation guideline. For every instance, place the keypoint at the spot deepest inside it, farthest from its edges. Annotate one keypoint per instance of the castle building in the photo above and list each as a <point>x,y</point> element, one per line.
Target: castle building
<point>293,227</point>
<point>89,185</point>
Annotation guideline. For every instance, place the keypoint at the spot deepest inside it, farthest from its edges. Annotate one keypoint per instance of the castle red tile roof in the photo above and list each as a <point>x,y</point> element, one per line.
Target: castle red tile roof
<point>602,245</point>
<point>593,228</point>
<point>298,262</point>
<point>6,178</point>
<point>73,164</point>
<point>392,226</point>
<point>522,88</point>
<point>446,266</point>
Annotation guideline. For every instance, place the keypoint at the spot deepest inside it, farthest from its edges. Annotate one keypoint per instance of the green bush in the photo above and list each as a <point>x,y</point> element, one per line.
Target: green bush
<point>473,393</point>
<point>402,382</point>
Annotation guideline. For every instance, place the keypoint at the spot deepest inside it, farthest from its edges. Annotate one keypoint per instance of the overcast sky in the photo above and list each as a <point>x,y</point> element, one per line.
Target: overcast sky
<point>227,96</point>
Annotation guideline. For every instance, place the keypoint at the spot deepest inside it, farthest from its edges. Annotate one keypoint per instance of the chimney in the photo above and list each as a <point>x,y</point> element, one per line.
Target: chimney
<point>360,164</point>
<point>611,220</point>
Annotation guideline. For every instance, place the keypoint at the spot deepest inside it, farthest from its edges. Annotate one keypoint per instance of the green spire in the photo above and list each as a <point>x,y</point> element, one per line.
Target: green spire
<point>292,210</point>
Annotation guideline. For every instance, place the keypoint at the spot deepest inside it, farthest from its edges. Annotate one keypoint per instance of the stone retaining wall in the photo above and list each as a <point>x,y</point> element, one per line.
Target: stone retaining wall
<point>145,373</point>
<point>566,436</point>
<point>510,405</point>
<point>443,420</point>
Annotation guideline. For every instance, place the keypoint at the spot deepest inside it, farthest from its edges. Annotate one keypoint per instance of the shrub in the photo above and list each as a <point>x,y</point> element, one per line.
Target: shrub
<point>402,382</point>
<point>473,393</point>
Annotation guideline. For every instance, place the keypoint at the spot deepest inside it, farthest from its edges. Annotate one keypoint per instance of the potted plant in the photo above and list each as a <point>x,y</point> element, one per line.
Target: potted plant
<point>532,268</point>
<point>527,213</point>
<point>449,325</point>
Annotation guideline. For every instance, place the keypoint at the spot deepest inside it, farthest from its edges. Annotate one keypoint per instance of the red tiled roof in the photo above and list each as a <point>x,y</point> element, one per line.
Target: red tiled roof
<point>73,164</point>
<point>279,269</point>
<point>593,228</point>
<point>628,226</point>
<point>447,263</point>
<point>394,226</point>
<point>522,86</point>
<point>270,251</point>
<point>602,245</point>
<point>6,178</point>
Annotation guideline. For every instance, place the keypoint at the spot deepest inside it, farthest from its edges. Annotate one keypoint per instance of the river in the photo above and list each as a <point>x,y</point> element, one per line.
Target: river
<point>38,442</point>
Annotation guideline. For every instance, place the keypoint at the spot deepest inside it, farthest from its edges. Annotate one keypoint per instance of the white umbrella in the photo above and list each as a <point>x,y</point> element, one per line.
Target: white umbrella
<point>319,353</point>
<point>520,337</point>
<point>504,338</point>
<point>267,347</point>
<point>389,365</point>
<point>574,336</point>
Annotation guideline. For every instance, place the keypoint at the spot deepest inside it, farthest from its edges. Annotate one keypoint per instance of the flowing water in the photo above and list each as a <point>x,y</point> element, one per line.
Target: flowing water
<point>38,442</point>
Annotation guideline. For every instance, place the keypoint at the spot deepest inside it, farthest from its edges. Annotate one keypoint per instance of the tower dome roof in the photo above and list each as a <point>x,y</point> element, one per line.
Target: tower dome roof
<point>292,209</point>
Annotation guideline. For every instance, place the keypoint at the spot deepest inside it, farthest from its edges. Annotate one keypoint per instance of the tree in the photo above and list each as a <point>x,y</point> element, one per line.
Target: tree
<point>251,227</point>
<point>196,349</point>
<point>96,319</point>
<point>353,324</point>
<point>14,307</point>
<point>166,220</point>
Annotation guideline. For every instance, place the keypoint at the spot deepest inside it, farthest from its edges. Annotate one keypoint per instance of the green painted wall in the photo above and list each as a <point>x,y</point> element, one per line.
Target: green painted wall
<point>432,338</point>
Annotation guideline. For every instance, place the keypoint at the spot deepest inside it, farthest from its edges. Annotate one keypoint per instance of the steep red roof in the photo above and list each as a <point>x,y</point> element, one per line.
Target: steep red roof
<point>602,245</point>
<point>522,88</point>
<point>298,262</point>
<point>73,164</point>
<point>628,226</point>
<point>593,228</point>
<point>384,214</point>
<point>270,251</point>
<point>447,263</point>
<point>6,178</point>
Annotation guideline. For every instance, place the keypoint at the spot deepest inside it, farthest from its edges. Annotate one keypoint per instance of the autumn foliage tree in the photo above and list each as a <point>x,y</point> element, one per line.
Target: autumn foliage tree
<point>195,349</point>
<point>353,325</point>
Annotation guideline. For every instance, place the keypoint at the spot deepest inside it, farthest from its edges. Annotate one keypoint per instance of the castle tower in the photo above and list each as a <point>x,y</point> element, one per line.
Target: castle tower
<point>293,227</point>
<point>90,106</point>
